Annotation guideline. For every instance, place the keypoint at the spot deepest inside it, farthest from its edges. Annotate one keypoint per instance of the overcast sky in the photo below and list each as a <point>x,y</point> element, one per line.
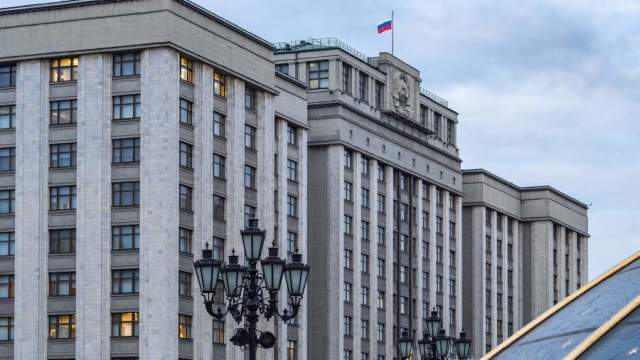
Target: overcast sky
<point>547,91</point>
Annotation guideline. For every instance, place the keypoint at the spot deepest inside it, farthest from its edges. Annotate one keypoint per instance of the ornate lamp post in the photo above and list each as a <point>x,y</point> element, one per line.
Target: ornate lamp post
<point>435,344</point>
<point>250,292</point>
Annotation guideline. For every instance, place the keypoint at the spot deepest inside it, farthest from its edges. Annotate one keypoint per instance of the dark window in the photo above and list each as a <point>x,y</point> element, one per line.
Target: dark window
<point>319,75</point>
<point>363,87</point>
<point>249,177</point>
<point>6,329</point>
<point>62,241</point>
<point>282,68</point>
<point>250,137</point>
<point>62,155</point>
<point>7,75</point>
<point>62,284</point>
<point>348,159</point>
<point>63,112</point>
<point>8,159</point>
<point>249,98</point>
<point>437,119</point>
<point>292,170</point>
<point>184,281</point>
<point>292,241</point>
<point>126,64</point>
<point>125,324</point>
<point>218,248</point>
<point>186,198</point>
<point>7,286</point>
<point>126,107</point>
<point>219,121</point>
<point>7,243</point>
<point>62,326</point>
<point>346,77</point>
<point>218,332</point>
<point>125,194</point>
<point>185,241</point>
<point>184,326</point>
<point>219,170</point>
<point>379,95</point>
<point>364,161</point>
<point>64,69</point>
<point>186,112</point>
<point>292,205</point>
<point>125,281</point>
<point>218,208</point>
<point>186,155</point>
<point>186,69</point>
<point>249,213</point>
<point>219,84</point>
<point>450,132</point>
<point>126,150</point>
<point>125,237</point>
<point>62,197</point>
<point>7,117</point>
<point>292,135</point>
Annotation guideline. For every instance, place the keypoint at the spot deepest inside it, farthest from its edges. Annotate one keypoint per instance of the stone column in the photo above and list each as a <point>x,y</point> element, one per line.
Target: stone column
<point>433,272</point>
<point>302,238</point>
<point>459,265</point>
<point>479,282</point>
<point>419,260</point>
<point>562,264</point>
<point>373,272</point>
<point>282,224</point>
<point>573,254</point>
<point>389,280</point>
<point>357,254</point>
<point>93,230</point>
<point>505,277</point>
<point>202,200</point>
<point>159,205</point>
<point>234,207</point>
<point>494,278</point>
<point>31,211</point>
<point>445,261</point>
<point>517,277</point>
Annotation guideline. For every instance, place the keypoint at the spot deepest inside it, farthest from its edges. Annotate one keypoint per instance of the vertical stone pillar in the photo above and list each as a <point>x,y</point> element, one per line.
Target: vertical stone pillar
<point>433,270</point>
<point>494,278</point>
<point>419,260</point>
<point>202,200</point>
<point>573,255</point>
<point>373,272</point>
<point>93,230</point>
<point>302,238</point>
<point>282,226</point>
<point>459,279</point>
<point>357,253</point>
<point>159,205</point>
<point>505,277</point>
<point>479,283</point>
<point>562,263</point>
<point>445,261</point>
<point>517,277</point>
<point>389,280</point>
<point>31,210</point>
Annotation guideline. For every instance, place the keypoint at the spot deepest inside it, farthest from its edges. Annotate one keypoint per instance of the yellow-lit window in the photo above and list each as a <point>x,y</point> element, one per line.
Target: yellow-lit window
<point>186,69</point>
<point>219,84</point>
<point>64,69</point>
<point>184,327</point>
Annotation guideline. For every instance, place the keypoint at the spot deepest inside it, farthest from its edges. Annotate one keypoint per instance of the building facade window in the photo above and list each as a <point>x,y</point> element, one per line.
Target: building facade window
<point>381,299</point>
<point>8,117</point>
<point>451,139</point>
<point>292,135</point>
<point>249,98</point>
<point>186,69</point>
<point>63,112</point>
<point>62,155</point>
<point>186,155</point>
<point>292,350</point>
<point>125,281</point>
<point>348,292</point>
<point>348,225</point>
<point>365,296</point>
<point>184,327</point>
<point>379,95</point>
<point>318,75</point>
<point>126,107</point>
<point>364,230</point>
<point>292,170</point>
<point>218,332</point>
<point>62,241</point>
<point>125,194</point>
<point>218,248</point>
<point>126,64</point>
<point>364,195</point>
<point>282,68</point>
<point>292,242</point>
<point>292,206</point>
<point>380,332</point>
<point>64,69</point>
<point>126,150</point>
<point>125,237</point>
<point>8,159</point>
<point>7,201</point>
<point>125,324</point>
<point>219,122</point>
<point>219,167</point>
<point>437,124</point>
<point>7,75</point>
<point>346,78</point>
<point>348,159</point>
<point>250,137</point>
<point>186,112</point>
<point>348,259</point>
<point>348,191</point>
<point>363,87</point>
<point>6,329</point>
<point>7,286</point>
<point>185,241</point>
<point>249,213</point>
<point>219,84</point>
<point>62,284</point>
<point>218,208</point>
<point>249,177</point>
<point>62,326</point>
<point>347,326</point>
<point>62,197</point>
<point>7,243</point>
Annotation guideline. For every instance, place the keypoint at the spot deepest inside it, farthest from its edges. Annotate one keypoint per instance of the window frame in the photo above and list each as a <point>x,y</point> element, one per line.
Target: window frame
<point>56,69</point>
<point>120,63</point>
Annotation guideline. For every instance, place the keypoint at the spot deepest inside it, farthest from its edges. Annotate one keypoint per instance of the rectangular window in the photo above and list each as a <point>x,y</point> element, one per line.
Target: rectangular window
<point>186,112</point>
<point>346,78</point>
<point>186,69</point>
<point>292,170</point>
<point>348,230</point>
<point>381,175</point>
<point>292,350</point>
<point>218,208</point>
<point>437,120</point>
<point>439,284</point>
<point>219,169</point>
<point>450,132</point>
<point>6,329</point>
<point>219,84</point>
<point>292,206</point>
<point>63,112</point>
<point>7,75</point>
<point>125,237</point>
<point>126,64</point>
<point>249,177</point>
<point>348,259</point>
<point>185,241</point>
<point>125,281</point>
<point>8,159</point>
<point>424,115</point>
<point>126,107</point>
<point>62,197</point>
<point>185,200</point>
<point>218,248</point>
<point>348,159</point>
<point>184,326</point>
<point>282,68</point>
<point>347,326</point>
<point>292,135</point>
<point>438,224</point>
<point>250,137</point>
<point>364,327</point>
<point>382,203</point>
<point>381,268</point>
<point>62,241</point>
<point>218,332</point>
<point>186,155</point>
<point>292,242</point>
<point>381,299</point>
<point>348,191</point>
<point>7,243</point>
<point>364,197</point>
<point>380,333</point>
<point>62,326</point>
<point>250,98</point>
<point>404,306</point>
<point>62,284</point>
<point>364,230</point>
<point>64,69</point>
<point>219,121</point>
<point>318,75</point>
<point>126,150</point>
<point>62,155</point>
<point>363,87</point>
<point>365,166</point>
<point>125,324</point>
<point>364,263</point>
<point>7,201</point>
<point>348,292</point>
<point>7,286</point>
<point>249,213</point>
<point>379,94</point>
<point>125,194</point>
<point>7,117</point>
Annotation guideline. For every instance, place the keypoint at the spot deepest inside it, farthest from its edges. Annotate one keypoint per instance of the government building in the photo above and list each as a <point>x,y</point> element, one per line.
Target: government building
<point>135,132</point>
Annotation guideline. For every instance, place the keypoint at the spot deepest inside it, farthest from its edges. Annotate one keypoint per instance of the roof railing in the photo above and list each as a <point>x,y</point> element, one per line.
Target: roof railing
<point>434,97</point>
<point>321,43</point>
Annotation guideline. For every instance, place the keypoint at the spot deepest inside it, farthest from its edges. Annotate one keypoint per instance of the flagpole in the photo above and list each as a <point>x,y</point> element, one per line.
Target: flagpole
<point>393,27</point>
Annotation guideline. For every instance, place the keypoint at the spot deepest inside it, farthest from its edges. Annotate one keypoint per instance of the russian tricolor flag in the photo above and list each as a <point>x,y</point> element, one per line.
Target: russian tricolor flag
<point>386,25</point>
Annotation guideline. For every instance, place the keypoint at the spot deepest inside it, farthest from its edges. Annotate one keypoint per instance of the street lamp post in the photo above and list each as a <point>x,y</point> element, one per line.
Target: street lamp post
<point>435,344</point>
<point>250,292</point>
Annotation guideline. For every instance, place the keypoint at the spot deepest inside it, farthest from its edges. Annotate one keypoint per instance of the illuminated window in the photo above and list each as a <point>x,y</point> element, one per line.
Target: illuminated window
<point>186,69</point>
<point>62,326</point>
<point>125,324</point>
<point>64,69</point>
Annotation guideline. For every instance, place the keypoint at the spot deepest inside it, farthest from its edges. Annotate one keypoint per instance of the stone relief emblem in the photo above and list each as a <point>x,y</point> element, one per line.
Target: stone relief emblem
<point>401,94</point>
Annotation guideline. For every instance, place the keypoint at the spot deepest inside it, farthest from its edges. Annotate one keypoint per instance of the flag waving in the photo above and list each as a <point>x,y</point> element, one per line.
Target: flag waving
<point>386,25</point>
